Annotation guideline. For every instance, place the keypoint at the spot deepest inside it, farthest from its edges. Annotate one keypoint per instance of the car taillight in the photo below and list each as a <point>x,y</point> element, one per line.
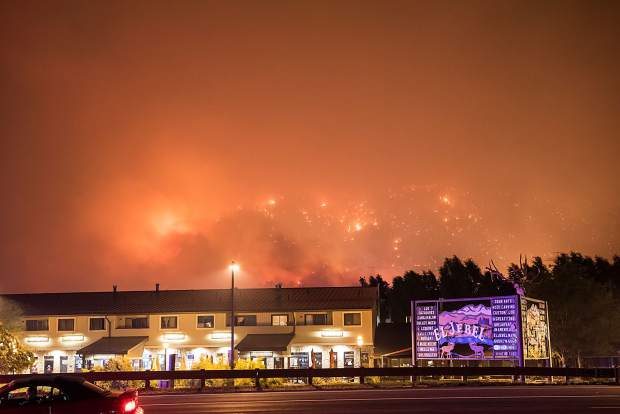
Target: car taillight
<point>129,406</point>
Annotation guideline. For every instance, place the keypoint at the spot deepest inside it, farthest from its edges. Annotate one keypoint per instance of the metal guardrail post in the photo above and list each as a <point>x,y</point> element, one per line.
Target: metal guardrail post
<point>147,382</point>
<point>203,380</point>
<point>256,379</point>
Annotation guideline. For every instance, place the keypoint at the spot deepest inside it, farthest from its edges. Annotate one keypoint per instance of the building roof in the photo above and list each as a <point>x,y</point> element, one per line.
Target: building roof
<point>116,345</point>
<point>165,301</point>
<point>265,342</point>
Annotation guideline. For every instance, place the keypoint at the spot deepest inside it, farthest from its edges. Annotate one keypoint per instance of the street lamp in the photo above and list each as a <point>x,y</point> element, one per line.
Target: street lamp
<point>234,267</point>
<point>166,356</point>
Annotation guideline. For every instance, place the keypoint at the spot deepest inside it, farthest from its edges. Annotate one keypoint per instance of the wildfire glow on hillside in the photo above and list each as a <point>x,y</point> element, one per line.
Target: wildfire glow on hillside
<point>310,142</point>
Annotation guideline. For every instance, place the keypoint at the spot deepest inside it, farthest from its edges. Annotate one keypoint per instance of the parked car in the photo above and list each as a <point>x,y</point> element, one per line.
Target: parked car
<point>58,394</point>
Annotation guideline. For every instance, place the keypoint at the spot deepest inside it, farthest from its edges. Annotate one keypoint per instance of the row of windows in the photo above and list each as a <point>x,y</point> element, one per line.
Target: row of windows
<point>68,324</point>
<point>202,321</point>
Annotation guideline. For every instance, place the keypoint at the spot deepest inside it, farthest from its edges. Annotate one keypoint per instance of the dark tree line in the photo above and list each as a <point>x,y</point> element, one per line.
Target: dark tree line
<point>583,295</point>
<point>456,279</point>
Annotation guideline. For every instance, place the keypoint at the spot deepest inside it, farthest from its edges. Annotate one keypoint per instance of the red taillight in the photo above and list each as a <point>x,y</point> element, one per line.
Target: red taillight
<point>129,406</point>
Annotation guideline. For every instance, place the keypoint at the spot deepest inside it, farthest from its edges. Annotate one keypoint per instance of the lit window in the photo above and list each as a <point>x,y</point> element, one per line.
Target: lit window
<point>97,324</point>
<point>245,320</point>
<point>66,324</point>
<point>168,322</point>
<point>133,322</point>
<point>206,321</point>
<point>315,319</point>
<point>37,325</point>
<point>279,320</point>
<point>352,319</point>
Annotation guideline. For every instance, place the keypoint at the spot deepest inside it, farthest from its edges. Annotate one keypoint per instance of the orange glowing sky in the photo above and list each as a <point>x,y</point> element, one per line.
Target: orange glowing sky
<point>311,141</point>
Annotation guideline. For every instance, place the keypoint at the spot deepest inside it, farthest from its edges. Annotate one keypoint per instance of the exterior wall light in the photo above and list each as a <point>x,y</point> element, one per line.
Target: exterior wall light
<point>37,340</point>
<point>174,337</point>
<point>72,338</point>
<point>220,336</point>
<point>332,334</point>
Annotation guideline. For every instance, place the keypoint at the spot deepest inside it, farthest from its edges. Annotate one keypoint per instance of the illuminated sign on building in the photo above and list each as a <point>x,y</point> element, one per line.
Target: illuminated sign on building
<point>480,328</point>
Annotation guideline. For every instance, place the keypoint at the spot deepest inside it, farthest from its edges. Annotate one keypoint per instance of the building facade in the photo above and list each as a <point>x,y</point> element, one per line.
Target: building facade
<point>173,329</point>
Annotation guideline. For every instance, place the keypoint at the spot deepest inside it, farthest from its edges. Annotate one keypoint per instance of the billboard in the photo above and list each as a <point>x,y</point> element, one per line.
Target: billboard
<point>492,328</point>
<point>535,323</point>
<point>473,328</point>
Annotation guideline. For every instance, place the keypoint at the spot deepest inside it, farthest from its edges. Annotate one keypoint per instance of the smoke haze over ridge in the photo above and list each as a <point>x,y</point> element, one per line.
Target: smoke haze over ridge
<point>313,142</point>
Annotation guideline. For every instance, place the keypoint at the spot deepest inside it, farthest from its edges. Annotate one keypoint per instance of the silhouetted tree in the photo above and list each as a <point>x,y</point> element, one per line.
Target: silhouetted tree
<point>526,273</point>
<point>410,286</point>
<point>494,285</point>
<point>10,315</point>
<point>383,292</point>
<point>459,279</point>
<point>615,277</point>
<point>584,318</point>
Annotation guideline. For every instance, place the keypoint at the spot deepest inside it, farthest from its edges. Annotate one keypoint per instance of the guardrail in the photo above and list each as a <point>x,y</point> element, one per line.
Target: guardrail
<point>517,373</point>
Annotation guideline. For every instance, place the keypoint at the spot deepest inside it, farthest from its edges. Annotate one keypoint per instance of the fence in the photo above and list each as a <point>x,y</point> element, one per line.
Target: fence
<point>517,373</point>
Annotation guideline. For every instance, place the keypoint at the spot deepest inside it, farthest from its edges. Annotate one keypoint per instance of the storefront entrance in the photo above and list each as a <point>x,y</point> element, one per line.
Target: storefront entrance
<point>299,360</point>
<point>48,364</point>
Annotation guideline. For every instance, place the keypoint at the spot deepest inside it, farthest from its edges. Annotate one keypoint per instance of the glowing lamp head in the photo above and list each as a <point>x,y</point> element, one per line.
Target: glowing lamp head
<point>234,267</point>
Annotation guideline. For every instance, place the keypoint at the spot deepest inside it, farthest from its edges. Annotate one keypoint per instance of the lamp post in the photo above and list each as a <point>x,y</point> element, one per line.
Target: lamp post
<point>166,356</point>
<point>234,267</point>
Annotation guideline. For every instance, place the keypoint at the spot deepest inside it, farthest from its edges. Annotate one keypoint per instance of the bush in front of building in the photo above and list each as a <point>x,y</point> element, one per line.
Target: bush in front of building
<point>119,363</point>
<point>331,381</point>
<point>207,364</point>
<point>273,382</point>
<point>247,364</point>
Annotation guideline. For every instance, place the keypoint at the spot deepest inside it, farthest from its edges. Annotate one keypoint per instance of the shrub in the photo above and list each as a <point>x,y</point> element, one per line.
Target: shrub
<point>273,382</point>
<point>207,363</point>
<point>322,381</point>
<point>247,364</point>
<point>113,365</point>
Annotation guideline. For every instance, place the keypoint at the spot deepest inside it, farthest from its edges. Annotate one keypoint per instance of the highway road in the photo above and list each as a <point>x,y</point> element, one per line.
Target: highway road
<point>479,400</point>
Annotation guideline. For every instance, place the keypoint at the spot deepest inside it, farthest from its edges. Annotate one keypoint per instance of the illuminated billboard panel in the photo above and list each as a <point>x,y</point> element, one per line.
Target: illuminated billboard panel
<point>474,328</point>
<point>493,328</point>
<point>535,323</point>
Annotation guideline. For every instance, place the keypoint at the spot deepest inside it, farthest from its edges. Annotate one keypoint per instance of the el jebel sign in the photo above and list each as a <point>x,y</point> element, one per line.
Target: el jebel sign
<point>494,328</point>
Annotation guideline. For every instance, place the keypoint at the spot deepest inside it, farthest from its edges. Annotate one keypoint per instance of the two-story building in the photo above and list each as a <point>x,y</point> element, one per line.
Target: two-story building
<point>162,329</point>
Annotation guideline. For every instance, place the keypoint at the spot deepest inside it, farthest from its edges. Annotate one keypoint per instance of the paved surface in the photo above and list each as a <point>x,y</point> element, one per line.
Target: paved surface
<point>479,400</point>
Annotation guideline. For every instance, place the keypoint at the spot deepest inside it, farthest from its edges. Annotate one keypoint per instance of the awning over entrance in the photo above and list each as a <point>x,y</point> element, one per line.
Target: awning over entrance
<point>265,342</point>
<point>118,345</point>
